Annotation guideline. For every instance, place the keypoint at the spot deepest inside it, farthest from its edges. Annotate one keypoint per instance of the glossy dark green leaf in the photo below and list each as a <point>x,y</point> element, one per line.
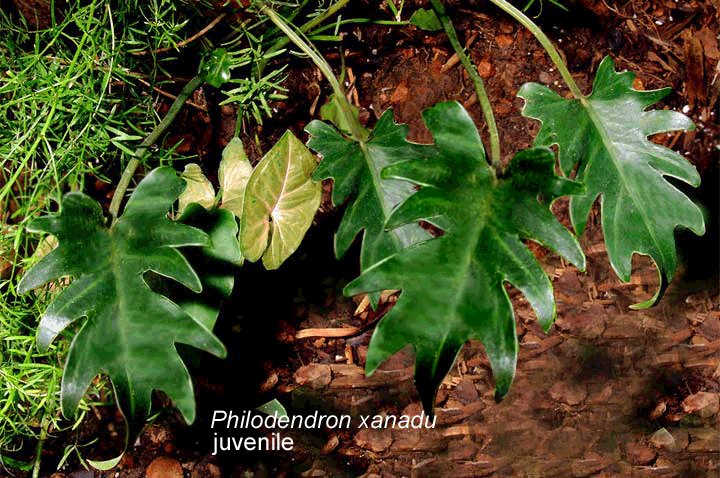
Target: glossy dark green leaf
<point>129,331</point>
<point>605,135</point>
<point>453,286</point>
<point>214,263</point>
<point>426,19</point>
<point>216,67</point>
<point>355,168</point>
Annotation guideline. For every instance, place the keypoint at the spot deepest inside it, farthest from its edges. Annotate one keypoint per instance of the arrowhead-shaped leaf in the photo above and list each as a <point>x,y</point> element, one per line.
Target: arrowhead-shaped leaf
<point>280,202</point>
<point>198,189</point>
<point>605,135</point>
<point>355,168</point>
<point>233,174</point>
<point>130,331</point>
<point>453,286</point>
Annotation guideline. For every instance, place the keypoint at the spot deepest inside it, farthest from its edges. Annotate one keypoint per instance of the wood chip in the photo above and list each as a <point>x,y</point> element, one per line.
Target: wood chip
<point>327,332</point>
<point>709,43</point>
<point>314,375</point>
<point>569,393</point>
<point>451,62</point>
<point>374,439</point>
<point>694,69</point>
<point>269,382</point>
<point>464,430</point>
<point>504,41</point>
<point>658,411</point>
<point>351,377</point>
<point>400,95</point>
<point>461,450</point>
<point>331,445</point>
<point>486,69</point>
<point>603,396</point>
<point>703,404</point>
<point>363,305</point>
<point>640,454</point>
<point>704,440</point>
<point>456,415</point>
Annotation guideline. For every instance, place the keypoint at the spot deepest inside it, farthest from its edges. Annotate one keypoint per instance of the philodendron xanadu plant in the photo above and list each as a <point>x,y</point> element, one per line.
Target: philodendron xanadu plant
<point>452,287</point>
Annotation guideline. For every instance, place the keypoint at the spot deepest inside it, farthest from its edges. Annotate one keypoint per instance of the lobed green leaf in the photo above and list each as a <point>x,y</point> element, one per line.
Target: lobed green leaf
<point>453,286</point>
<point>604,136</point>
<point>130,331</point>
<point>356,171</point>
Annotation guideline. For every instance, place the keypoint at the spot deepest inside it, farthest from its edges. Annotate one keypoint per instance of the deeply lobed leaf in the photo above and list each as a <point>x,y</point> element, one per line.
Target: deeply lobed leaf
<point>214,263</point>
<point>130,331</point>
<point>453,286</point>
<point>355,169</point>
<point>605,136</point>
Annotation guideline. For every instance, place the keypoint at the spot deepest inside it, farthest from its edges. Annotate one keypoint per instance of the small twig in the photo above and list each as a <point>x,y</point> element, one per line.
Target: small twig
<point>455,59</point>
<point>185,42</point>
<point>327,332</point>
<point>345,332</point>
<point>171,96</point>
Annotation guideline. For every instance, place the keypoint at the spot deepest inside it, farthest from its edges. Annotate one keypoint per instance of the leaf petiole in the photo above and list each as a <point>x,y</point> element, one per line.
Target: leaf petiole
<point>356,130</point>
<point>129,171</point>
<point>306,28</point>
<point>545,42</point>
<point>477,81</point>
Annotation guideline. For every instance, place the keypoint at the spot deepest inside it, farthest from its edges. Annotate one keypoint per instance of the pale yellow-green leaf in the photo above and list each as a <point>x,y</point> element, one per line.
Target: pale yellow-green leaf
<point>280,202</point>
<point>198,189</point>
<point>233,173</point>
<point>44,248</point>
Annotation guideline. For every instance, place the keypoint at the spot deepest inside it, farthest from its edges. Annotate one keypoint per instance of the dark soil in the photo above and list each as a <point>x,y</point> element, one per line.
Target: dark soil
<point>590,398</point>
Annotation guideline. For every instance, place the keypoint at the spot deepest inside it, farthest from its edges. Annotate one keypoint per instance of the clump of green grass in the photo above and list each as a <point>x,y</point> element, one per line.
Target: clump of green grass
<point>72,107</point>
<point>29,380</point>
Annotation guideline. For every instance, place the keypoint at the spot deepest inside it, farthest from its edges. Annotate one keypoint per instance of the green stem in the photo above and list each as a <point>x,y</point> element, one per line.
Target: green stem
<point>129,171</point>
<point>545,42</point>
<point>360,21</point>
<point>307,27</point>
<point>477,81</point>
<point>323,16</point>
<point>44,424</point>
<point>393,9</point>
<point>356,129</point>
